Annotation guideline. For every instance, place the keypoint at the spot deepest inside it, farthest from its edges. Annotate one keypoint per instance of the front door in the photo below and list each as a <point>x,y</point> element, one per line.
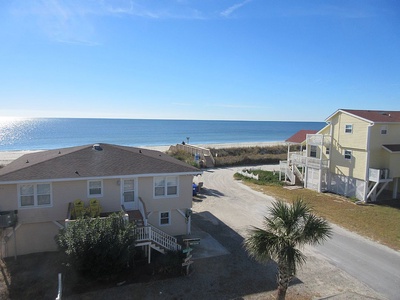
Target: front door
<point>128,198</point>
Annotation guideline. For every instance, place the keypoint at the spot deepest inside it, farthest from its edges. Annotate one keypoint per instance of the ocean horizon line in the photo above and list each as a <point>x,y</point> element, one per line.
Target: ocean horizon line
<point>153,119</point>
<point>55,133</point>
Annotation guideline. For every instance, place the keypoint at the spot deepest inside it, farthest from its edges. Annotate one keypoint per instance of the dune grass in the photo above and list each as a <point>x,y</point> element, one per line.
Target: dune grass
<point>379,221</point>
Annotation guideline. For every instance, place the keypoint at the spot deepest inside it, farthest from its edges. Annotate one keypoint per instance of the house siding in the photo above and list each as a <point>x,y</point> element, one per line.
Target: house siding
<point>357,139</point>
<point>36,230</point>
<point>177,226</point>
<point>356,142</point>
<point>31,238</point>
<point>379,157</point>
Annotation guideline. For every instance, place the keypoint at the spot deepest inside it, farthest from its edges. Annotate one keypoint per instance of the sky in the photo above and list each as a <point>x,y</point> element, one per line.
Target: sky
<point>267,60</point>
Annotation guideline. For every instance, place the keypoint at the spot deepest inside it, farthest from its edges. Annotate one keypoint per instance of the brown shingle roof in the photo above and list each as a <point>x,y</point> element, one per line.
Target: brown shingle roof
<point>84,161</point>
<point>300,136</point>
<point>378,116</point>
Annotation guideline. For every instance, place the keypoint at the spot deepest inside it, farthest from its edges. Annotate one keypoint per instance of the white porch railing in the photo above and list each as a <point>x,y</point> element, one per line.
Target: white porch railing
<point>311,162</point>
<point>160,238</point>
<point>318,139</point>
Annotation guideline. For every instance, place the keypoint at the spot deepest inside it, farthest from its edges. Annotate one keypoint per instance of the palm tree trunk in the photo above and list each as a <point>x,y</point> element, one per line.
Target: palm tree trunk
<point>281,293</point>
<point>284,278</point>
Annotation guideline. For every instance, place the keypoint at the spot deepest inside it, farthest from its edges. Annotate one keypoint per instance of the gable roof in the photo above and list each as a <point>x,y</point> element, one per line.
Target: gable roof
<point>376,116</point>
<point>88,161</point>
<point>300,136</point>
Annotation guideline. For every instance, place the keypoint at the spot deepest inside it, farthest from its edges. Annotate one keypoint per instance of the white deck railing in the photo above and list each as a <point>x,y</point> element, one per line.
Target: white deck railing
<point>318,139</point>
<point>157,236</point>
<point>311,162</point>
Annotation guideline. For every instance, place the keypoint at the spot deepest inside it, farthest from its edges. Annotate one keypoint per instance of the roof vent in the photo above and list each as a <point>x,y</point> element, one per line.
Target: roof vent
<point>97,147</point>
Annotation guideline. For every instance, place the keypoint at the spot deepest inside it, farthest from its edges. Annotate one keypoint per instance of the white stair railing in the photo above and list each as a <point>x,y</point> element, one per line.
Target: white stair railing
<point>298,173</point>
<point>157,236</point>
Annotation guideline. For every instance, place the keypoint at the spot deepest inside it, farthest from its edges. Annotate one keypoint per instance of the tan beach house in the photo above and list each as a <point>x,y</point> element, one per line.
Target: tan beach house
<point>357,154</point>
<point>40,193</point>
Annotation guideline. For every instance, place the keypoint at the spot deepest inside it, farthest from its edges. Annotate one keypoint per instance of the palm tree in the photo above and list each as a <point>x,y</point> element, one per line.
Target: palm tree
<point>287,228</point>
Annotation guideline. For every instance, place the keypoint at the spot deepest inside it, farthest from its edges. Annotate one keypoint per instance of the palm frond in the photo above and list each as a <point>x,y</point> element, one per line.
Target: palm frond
<point>285,228</point>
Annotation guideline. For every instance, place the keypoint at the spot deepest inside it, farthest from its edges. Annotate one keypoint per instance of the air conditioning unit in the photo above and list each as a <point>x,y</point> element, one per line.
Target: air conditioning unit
<point>8,218</point>
<point>384,173</point>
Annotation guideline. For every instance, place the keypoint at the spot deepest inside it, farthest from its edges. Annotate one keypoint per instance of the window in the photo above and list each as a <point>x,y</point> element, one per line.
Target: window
<point>129,190</point>
<point>165,186</point>
<point>348,128</point>
<point>347,154</point>
<point>35,195</point>
<point>384,129</point>
<point>95,188</point>
<point>313,151</point>
<point>164,218</point>
<point>327,151</point>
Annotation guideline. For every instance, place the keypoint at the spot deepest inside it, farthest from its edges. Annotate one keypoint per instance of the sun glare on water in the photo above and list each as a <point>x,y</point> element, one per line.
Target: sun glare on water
<point>13,128</point>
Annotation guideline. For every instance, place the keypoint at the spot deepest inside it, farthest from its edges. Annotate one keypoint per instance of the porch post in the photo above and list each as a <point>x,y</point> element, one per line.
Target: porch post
<point>189,225</point>
<point>395,187</point>
<point>149,254</point>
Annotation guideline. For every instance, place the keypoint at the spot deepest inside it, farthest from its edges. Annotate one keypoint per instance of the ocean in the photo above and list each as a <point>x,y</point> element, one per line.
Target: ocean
<point>54,133</point>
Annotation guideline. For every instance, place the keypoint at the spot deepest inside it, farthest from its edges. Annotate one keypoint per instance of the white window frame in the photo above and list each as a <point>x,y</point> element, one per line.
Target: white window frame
<point>35,195</point>
<point>327,150</point>
<point>348,128</point>
<point>89,188</point>
<point>167,180</point>
<point>384,129</point>
<point>347,152</point>
<point>160,217</point>
<point>313,150</point>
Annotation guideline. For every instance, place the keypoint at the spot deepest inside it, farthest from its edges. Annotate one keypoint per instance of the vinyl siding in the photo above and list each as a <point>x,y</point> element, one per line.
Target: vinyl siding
<point>355,141</point>
<point>36,229</point>
<point>32,238</point>
<point>358,138</point>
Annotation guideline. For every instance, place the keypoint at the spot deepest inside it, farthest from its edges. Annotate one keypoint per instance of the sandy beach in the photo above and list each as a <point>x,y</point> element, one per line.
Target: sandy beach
<point>8,156</point>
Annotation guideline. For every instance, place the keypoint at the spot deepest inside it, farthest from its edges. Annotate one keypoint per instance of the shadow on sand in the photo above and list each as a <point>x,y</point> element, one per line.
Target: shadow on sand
<point>230,273</point>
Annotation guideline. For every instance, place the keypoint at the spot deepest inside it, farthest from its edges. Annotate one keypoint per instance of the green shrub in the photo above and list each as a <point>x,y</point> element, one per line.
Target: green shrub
<point>98,247</point>
<point>264,177</point>
<point>183,156</point>
<point>242,156</point>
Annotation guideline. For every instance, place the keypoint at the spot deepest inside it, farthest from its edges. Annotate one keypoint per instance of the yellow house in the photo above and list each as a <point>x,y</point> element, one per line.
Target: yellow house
<point>38,192</point>
<point>357,154</point>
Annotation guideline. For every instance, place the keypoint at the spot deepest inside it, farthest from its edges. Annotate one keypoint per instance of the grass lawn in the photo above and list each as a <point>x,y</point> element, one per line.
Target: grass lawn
<point>379,221</point>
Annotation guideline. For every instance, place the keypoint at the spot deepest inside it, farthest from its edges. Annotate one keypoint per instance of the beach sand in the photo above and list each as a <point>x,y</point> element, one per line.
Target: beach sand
<point>8,156</point>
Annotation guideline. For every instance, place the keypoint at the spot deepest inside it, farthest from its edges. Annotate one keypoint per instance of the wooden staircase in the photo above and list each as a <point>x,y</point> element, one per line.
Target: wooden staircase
<point>156,239</point>
<point>152,236</point>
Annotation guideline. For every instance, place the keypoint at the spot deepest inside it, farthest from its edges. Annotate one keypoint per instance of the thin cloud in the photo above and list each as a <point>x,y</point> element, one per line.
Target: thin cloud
<point>75,21</point>
<point>227,12</point>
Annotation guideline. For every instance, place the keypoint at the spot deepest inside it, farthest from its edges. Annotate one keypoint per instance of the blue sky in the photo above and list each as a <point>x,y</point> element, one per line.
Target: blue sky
<point>204,59</point>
